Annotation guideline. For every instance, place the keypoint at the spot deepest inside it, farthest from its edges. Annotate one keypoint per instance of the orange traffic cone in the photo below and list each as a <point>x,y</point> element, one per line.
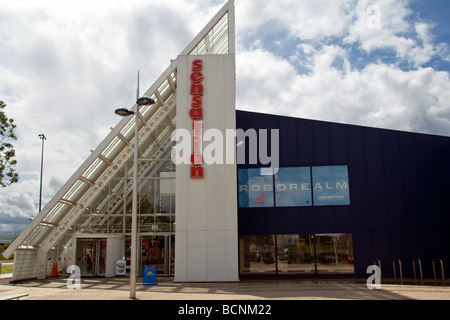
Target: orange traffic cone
<point>54,273</point>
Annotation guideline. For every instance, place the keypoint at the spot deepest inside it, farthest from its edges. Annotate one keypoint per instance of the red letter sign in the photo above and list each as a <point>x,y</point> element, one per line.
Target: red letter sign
<point>196,114</point>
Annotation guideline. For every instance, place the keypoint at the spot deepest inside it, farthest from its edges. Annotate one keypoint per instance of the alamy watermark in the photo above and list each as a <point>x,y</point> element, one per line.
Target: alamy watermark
<point>374,280</point>
<point>229,148</point>
<point>374,19</point>
<point>74,280</point>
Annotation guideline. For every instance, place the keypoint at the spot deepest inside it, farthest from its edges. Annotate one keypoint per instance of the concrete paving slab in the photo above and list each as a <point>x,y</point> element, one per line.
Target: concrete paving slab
<point>118,289</point>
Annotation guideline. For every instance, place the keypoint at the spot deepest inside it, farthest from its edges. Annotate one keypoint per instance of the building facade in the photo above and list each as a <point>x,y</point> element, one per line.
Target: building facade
<point>253,195</point>
<point>345,197</point>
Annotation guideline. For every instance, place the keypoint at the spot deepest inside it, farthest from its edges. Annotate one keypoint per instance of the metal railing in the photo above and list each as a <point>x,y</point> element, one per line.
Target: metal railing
<point>419,262</point>
<point>418,271</point>
<point>442,271</point>
<point>400,269</point>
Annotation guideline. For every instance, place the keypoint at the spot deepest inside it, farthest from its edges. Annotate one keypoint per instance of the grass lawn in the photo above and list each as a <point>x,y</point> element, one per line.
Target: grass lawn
<point>7,269</point>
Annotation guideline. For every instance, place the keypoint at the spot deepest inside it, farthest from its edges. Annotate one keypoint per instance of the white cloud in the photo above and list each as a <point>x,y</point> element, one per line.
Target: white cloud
<point>410,40</point>
<point>313,20</point>
<point>322,21</point>
<point>379,95</point>
<point>66,66</point>
<point>21,200</point>
<point>329,86</point>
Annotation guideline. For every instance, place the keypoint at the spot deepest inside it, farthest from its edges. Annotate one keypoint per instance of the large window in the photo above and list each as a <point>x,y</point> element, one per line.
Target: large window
<point>330,185</point>
<point>257,254</point>
<point>296,254</point>
<point>334,253</point>
<point>294,187</point>
<point>255,188</point>
<point>111,210</point>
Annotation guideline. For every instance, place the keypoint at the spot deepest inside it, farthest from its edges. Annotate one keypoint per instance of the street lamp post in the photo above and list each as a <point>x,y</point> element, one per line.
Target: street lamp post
<point>43,138</point>
<point>142,101</point>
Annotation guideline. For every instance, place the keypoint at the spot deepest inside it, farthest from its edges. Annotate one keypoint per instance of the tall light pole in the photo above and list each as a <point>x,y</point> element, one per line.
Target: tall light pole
<point>43,138</point>
<point>142,101</point>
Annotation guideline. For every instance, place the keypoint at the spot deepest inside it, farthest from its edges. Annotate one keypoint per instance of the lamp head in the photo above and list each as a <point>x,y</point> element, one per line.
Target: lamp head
<point>123,112</point>
<point>145,101</point>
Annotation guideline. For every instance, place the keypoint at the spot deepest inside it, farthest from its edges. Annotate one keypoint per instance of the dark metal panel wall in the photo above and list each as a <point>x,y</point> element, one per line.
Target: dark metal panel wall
<point>398,188</point>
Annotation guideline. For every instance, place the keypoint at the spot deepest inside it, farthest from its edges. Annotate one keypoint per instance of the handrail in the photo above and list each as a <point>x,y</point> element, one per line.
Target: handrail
<point>395,273</point>
<point>378,263</point>
<point>442,271</point>
<point>420,270</point>
<point>400,269</point>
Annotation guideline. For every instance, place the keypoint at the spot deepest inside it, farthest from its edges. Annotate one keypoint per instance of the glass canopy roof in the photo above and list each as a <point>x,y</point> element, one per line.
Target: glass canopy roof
<point>89,200</point>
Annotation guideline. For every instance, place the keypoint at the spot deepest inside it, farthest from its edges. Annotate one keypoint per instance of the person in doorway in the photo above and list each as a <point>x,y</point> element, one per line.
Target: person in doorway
<point>89,262</point>
<point>155,251</point>
<point>258,256</point>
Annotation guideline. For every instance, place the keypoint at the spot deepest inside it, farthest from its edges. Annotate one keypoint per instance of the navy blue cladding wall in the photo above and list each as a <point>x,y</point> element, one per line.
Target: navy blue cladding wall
<point>398,190</point>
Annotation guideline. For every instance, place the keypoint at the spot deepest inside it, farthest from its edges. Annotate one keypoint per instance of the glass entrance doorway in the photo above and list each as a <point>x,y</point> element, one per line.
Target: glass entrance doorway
<point>91,257</point>
<point>154,250</point>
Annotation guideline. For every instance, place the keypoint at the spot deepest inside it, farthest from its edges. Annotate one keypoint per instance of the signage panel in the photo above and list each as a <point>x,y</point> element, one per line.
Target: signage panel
<point>255,189</point>
<point>121,267</point>
<point>293,187</point>
<point>196,114</point>
<point>330,186</point>
<point>149,275</point>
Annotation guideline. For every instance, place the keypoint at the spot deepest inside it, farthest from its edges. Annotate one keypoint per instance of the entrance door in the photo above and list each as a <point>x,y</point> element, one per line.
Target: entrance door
<point>91,257</point>
<point>101,257</point>
<point>158,251</point>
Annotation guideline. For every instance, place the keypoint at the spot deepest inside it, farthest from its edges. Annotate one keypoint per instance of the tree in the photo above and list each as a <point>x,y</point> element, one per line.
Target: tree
<point>8,173</point>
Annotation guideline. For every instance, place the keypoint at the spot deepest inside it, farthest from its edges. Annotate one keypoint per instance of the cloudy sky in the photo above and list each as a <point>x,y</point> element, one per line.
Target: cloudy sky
<point>65,66</point>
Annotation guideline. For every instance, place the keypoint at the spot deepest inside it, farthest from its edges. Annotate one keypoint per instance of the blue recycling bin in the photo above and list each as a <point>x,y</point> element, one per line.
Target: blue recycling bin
<point>149,275</point>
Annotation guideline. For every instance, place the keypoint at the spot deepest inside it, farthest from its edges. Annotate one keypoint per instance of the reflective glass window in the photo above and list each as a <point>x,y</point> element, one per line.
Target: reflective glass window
<point>293,187</point>
<point>330,186</point>
<point>334,253</point>
<point>255,188</point>
<point>257,254</point>
<point>295,254</point>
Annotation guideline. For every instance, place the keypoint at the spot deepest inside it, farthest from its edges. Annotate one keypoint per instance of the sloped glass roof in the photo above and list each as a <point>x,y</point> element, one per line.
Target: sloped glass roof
<point>78,200</point>
<point>216,41</point>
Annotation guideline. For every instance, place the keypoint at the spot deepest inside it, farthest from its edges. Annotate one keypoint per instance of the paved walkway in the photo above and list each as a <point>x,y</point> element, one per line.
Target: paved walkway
<point>118,289</point>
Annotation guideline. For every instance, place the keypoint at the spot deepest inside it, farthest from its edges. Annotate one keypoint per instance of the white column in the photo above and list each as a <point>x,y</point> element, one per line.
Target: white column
<point>206,240</point>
